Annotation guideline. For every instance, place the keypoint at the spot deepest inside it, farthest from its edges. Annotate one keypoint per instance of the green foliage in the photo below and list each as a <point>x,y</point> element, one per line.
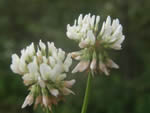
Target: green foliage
<point>127,90</point>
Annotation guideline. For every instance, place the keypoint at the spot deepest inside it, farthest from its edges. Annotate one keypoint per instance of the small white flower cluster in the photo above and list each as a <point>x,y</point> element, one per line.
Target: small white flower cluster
<point>94,42</point>
<point>44,71</point>
<point>111,34</point>
<point>85,30</point>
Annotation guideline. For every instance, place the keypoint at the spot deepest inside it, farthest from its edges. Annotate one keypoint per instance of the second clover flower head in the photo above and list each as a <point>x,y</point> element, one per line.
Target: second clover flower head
<point>44,71</point>
<point>94,42</point>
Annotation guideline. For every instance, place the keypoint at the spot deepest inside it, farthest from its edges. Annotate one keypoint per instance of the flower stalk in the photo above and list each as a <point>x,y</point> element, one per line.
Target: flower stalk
<point>48,111</point>
<point>87,93</point>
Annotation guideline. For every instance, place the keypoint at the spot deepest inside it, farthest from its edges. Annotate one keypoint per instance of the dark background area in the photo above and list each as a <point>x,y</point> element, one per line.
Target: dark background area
<point>127,90</point>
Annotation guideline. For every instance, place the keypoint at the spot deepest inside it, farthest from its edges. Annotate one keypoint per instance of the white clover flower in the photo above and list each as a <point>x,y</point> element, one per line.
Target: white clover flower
<point>84,30</point>
<point>44,71</point>
<point>111,34</point>
<point>94,42</point>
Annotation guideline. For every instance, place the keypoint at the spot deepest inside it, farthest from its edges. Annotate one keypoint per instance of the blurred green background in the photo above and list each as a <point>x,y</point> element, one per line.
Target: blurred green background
<point>127,90</point>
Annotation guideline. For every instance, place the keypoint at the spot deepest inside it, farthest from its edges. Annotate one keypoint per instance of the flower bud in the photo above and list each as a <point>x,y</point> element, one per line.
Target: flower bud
<point>110,63</point>
<point>103,68</point>
<point>54,92</point>
<point>67,91</point>
<point>69,84</point>
<point>67,62</point>
<point>28,101</point>
<point>83,44</point>
<point>93,63</point>
<point>81,66</point>
<point>75,54</point>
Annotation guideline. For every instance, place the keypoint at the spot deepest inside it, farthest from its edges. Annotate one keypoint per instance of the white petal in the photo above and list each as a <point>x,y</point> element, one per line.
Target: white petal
<point>81,66</point>
<point>102,29</point>
<point>61,54</point>
<point>45,60</point>
<point>54,92</point>
<point>42,45</point>
<point>97,20</point>
<point>28,101</point>
<point>97,23</point>
<point>39,53</point>
<point>92,21</point>
<point>33,67</point>
<point>58,68</point>
<point>61,77</point>
<point>78,58</point>
<point>67,62</point>
<point>27,77</point>
<point>112,64</point>
<point>108,21</point>
<point>80,19</point>
<point>22,66</point>
<point>75,54</point>
<point>75,22</point>
<point>115,24</point>
<point>91,37</point>
<point>118,30</point>
<point>83,44</point>
<point>103,68</point>
<point>51,48</point>
<point>52,61</point>
<point>67,91</point>
<point>45,71</point>
<point>41,82</point>
<point>30,50</point>
<point>69,84</point>
<point>93,64</point>
<point>15,64</point>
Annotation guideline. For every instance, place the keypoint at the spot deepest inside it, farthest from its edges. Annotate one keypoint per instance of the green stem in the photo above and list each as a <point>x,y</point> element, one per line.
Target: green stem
<point>48,111</point>
<point>86,97</point>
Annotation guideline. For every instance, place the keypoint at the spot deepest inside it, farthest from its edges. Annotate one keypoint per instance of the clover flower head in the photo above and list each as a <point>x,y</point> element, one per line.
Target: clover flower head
<point>111,34</point>
<point>94,42</point>
<point>44,71</point>
<point>84,30</point>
